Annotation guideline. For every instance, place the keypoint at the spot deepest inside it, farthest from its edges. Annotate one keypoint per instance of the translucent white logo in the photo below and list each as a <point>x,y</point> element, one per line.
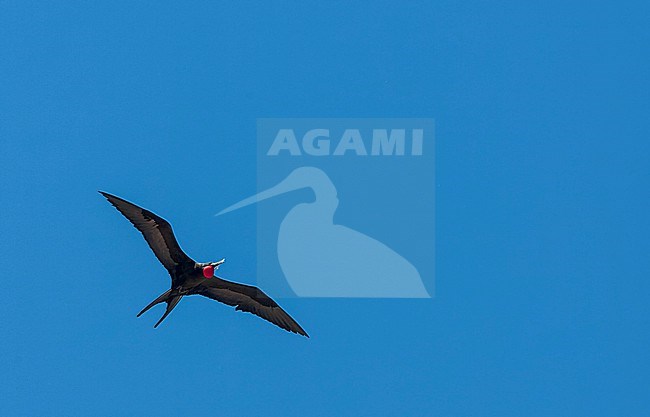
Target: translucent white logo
<point>345,207</point>
<point>322,259</point>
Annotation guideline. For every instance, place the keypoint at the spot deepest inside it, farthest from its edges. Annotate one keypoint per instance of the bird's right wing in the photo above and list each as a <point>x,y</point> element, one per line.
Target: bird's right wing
<point>250,299</point>
<point>156,231</point>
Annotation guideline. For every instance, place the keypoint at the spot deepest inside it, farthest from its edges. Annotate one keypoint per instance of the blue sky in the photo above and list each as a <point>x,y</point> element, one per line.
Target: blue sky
<point>542,201</point>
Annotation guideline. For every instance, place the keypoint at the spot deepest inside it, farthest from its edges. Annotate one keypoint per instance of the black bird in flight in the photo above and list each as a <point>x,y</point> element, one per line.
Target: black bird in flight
<point>190,277</point>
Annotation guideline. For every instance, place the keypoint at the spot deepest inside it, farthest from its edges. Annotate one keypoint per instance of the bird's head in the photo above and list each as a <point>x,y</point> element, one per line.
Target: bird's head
<point>210,267</point>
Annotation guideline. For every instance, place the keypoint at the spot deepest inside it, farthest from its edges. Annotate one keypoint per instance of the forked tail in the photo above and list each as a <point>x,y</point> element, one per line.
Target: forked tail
<point>171,300</point>
<point>171,303</point>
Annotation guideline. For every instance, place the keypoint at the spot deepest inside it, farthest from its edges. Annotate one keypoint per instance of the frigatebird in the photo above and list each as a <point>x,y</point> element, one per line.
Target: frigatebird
<point>190,277</point>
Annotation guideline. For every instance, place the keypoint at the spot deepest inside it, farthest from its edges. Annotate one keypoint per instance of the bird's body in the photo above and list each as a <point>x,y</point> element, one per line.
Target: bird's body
<point>189,277</point>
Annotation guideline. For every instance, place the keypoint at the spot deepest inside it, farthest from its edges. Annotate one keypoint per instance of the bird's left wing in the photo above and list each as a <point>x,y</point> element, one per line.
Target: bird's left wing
<point>156,231</point>
<point>250,299</point>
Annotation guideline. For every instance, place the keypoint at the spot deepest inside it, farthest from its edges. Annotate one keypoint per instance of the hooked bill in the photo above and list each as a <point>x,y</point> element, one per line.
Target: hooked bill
<point>208,271</point>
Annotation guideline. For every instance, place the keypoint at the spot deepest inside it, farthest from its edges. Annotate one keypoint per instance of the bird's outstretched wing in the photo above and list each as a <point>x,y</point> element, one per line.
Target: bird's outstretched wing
<point>156,231</point>
<point>249,299</point>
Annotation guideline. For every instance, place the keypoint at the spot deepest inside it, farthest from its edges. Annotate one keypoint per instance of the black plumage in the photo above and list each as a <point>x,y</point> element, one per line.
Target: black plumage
<point>187,275</point>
